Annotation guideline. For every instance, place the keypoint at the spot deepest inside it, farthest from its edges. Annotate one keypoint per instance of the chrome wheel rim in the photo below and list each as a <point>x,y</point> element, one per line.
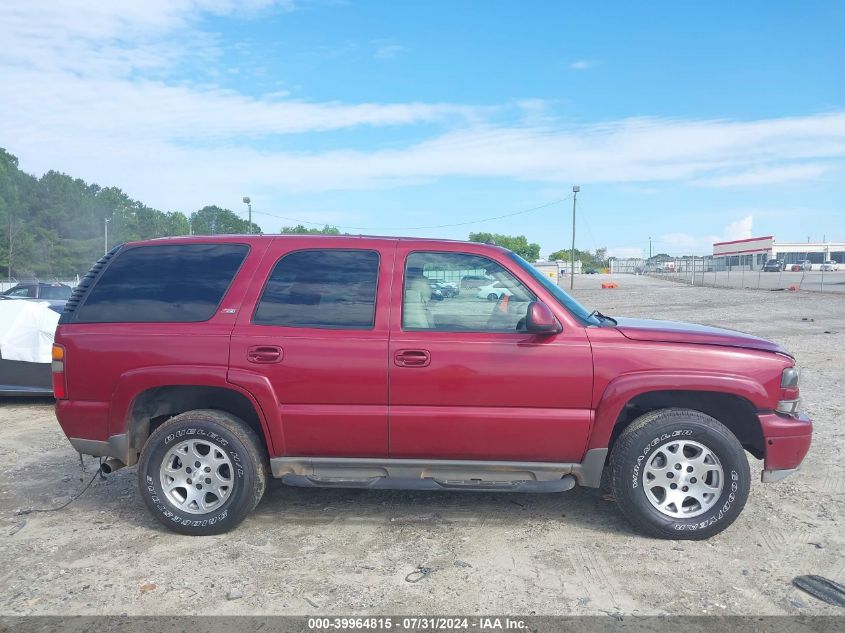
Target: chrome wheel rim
<point>683,479</point>
<point>196,476</point>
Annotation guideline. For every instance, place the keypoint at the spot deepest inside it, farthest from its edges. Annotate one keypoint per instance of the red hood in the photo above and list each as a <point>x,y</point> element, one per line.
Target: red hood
<point>678,332</point>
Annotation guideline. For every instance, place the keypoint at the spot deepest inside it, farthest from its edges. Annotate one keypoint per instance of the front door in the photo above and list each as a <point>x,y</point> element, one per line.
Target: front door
<point>319,333</point>
<point>467,381</point>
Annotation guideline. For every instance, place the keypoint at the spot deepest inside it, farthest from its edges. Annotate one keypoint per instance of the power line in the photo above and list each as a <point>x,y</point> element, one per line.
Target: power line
<point>417,228</point>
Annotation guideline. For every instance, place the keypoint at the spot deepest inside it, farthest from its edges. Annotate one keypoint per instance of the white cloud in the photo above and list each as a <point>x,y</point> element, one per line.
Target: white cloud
<point>89,88</point>
<point>739,230</point>
<point>582,64</point>
<point>687,244</point>
<point>768,175</point>
<point>387,50</point>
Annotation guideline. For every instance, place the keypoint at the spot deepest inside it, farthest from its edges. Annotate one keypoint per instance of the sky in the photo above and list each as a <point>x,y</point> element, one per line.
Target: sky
<point>686,123</point>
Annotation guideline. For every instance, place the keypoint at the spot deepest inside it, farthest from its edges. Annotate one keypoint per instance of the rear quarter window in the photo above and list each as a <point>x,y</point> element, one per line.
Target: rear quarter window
<point>158,284</point>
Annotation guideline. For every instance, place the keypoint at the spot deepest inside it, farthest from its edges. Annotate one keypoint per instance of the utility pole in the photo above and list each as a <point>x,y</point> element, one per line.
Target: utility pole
<point>649,247</point>
<point>10,245</point>
<point>575,190</point>
<point>248,203</point>
<point>105,236</point>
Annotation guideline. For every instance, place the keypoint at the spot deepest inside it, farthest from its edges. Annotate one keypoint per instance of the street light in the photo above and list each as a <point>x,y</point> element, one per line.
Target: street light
<point>575,190</point>
<point>248,203</point>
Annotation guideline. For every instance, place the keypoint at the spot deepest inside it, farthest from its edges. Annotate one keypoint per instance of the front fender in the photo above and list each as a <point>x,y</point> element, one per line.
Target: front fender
<point>623,388</point>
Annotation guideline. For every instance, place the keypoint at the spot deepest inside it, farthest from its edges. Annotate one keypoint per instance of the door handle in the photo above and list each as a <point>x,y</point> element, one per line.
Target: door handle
<point>264,354</point>
<point>412,358</point>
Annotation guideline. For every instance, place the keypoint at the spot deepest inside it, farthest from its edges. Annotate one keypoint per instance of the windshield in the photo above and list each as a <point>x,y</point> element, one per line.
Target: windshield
<point>579,311</point>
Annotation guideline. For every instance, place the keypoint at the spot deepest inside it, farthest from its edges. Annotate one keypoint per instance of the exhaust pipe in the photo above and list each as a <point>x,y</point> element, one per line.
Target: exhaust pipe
<point>111,465</point>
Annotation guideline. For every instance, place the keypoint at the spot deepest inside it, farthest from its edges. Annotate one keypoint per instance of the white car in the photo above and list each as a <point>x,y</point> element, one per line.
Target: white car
<point>830,265</point>
<point>494,291</point>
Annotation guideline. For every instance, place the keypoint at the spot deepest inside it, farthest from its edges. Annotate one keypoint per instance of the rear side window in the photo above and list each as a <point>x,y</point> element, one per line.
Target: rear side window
<point>328,288</point>
<point>55,292</point>
<point>163,284</point>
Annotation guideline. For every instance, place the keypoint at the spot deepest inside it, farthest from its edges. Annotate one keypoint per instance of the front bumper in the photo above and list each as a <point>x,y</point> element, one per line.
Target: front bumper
<point>787,439</point>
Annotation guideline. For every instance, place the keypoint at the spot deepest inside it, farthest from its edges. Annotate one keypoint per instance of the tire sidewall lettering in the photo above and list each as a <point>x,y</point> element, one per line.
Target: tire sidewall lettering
<point>153,485</point>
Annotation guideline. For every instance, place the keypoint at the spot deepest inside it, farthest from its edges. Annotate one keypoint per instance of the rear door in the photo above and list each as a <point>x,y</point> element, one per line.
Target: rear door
<point>467,381</point>
<point>314,328</point>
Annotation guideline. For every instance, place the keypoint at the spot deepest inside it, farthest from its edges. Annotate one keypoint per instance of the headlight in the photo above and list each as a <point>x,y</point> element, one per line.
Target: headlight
<point>790,377</point>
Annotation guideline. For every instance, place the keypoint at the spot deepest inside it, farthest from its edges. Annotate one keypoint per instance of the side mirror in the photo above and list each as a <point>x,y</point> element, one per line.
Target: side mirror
<point>540,319</point>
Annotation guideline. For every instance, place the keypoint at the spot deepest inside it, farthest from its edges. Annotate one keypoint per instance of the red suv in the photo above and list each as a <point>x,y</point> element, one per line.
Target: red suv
<point>211,362</point>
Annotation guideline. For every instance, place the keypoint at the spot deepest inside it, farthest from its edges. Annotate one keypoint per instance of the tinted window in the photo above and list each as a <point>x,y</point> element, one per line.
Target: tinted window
<point>21,291</point>
<point>167,283</point>
<point>497,303</point>
<point>55,292</point>
<point>322,289</point>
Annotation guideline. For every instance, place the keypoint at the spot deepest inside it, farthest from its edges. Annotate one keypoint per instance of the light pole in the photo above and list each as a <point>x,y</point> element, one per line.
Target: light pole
<point>575,190</point>
<point>248,203</point>
<point>105,236</point>
<point>10,245</point>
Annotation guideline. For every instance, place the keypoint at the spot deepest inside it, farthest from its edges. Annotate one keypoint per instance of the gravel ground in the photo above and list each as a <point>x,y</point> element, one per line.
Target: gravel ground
<point>344,552</point>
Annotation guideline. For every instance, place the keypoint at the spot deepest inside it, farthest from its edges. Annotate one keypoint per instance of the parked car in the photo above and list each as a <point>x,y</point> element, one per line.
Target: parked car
<point>206,361</point>
<point>774,266</point>
<point>830,265</point>
<point>39,290</point>
<point>804,264</point>
<point>471,282</point>
<point>591,271</point>
<point>26,337</point>
<point>493,292</point>
<point>56,294</point>
<point>445,289</point>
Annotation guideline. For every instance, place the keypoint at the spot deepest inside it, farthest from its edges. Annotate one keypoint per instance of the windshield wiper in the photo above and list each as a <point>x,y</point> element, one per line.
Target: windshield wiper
<point>603,317</point>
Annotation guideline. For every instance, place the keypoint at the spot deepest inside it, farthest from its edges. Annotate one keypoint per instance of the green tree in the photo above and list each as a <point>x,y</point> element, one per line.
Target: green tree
<point>598,259</point>
<point>301,230</point>
<point>56,223</point>
<point>516,243</point>
<point>214,220</point>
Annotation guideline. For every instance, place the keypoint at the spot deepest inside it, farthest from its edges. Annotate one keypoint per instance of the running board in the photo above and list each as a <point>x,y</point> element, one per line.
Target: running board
<point>418,474</point>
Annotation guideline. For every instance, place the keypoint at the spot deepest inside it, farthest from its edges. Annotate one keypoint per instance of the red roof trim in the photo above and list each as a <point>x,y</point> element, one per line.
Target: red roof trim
<point>747,250</point>
<point>750,239</point>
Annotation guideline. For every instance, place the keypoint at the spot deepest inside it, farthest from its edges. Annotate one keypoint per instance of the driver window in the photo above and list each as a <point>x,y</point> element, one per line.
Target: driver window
<point>460,292</point>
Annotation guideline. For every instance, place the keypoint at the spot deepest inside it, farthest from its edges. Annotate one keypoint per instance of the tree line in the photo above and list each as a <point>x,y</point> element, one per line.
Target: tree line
<point>55,225</point>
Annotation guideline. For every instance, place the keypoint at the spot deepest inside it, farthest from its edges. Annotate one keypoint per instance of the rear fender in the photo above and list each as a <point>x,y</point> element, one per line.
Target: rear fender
<point>137,381</point>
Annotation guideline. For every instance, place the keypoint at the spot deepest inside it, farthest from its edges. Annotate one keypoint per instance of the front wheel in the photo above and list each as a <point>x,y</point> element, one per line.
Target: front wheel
<point>202,472</point>
<point>679,474</point>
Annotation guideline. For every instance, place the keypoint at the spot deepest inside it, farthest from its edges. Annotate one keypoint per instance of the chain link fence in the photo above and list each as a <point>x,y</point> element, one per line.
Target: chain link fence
<point>715,273</point>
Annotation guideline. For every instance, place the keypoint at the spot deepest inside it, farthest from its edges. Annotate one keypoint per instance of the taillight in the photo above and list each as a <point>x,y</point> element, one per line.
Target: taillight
<point>58,365</point>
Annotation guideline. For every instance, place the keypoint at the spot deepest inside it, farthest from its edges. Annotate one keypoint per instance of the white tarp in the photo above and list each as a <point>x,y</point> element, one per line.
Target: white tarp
<point>26,330</point>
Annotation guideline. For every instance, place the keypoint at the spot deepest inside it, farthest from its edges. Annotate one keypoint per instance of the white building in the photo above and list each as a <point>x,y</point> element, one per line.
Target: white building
<point>753,252</point>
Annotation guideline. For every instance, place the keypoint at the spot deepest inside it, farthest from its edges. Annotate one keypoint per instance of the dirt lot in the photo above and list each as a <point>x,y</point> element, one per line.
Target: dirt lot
<point>342,552</point>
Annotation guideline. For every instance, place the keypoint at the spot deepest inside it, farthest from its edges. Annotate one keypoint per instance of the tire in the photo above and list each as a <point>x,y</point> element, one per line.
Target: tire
<point>232,463</point>
<point>654,453</point>
<point>492,297</point>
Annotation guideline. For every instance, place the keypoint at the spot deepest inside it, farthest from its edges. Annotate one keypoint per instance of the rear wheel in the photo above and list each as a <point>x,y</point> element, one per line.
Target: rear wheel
<point>202,472</point>
<point>492,297</point>
<point>680,474</point>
